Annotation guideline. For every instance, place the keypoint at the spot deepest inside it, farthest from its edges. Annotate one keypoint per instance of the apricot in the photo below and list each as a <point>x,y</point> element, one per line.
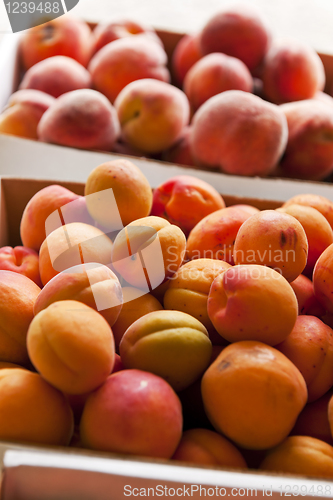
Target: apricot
<point>247,208</point>
<point>307,301</point>
<point>215,73</point>
<point>171,344</point>
<point>322,204</point>
<point>214,236</point>
<point>92,284</point>
<point>118,187</point>
<point>302,455</point>
<point>32,411</point>
<point>313,420</point>
<point>180,152</point>
<point>292,71</point>
<point>322,279</point>
<point>205,447</point>
<point>126,60</point>
<point>185,200</point>
<point>238,133</point>
<point>135,305</point>
<point>148,251</point>
<point>253,394</point>
<point>17,297</point>
<point>187,52</point>
<point>273,239</point>
<point>145,417</point>
<point>238,31</point>
<point>105,33</point>
<point>318,232</point>
<point>252,303</point>
<point>21,260</point>
<point>71,346</point>
<point>82,119</point>
<point>56,75</point>
<point>71,245</point>
<point>152,114</point>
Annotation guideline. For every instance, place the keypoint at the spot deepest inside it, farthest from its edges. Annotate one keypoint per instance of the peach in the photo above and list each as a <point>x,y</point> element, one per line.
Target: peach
<point>179,152</point>
<point>322,204</point>
<point>32,411</point>
<point>213,74</point>
<point>239,32</point>
<point>118,187</point>
<point>322,279</point>
<point>82,119</point>
<point>318,232</point>
<point>323,97</point>
<point>189,288</point>
<point>253,394</point>
<point>313,420</point>
<point>273,239</point>
<point>252,303</point>
<point>187,52</point>
<point>171,344</point>
<point>17,297</point>
<point>92,284</point>
<point>21,260</point>
<point>40,206</point>
<point>310,347</point>
<point>247,208</point>
<point>71,346</point>
<point>56,75</point>
<point>301,455</point>
<point>126,60</point>
<point>63,36</point>
<point>148,251</point>
<point>71,245</point>
<point>307,301</point>
<point>238,133</point>
<point>136,304</point>
<point>214,236</point>
<point>205,447</point>
<point>185,200</point>
<point>152,114</point>
<point>145,417</point>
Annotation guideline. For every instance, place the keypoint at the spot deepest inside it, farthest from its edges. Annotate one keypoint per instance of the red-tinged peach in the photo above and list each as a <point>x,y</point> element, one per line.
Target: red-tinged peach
<point>145,417</point>
<point>307,301</point>
<point>126,60</point>
<point>56,75</point>
<point>21,260</point>
<point>171,344</point>
<point>313,420</point>
<point>185,200</point>
<point>135,305</point>
<point>118,187</point>
<point>82,119</point>
<point>206,447</point>
<point>17,297</point>
<point>238,133</point>
<point>71,245</point>
<point>322,204</point>
<point>63,36</point>
<point>32,411</point>
<point>252,303</point>
<point>152,114</point>
<point>213,74</point>
<point>92,284</point>
<point>214,236</point>
<point>71,346</point>
<point>323,97</point>
<point>180,151</point>
<point>39,208</point>
<point>292,71</point>
<point>273,239</point>
<point>247,208</point>
<point>322,279</point>
<point>318,232</point>
<point>186,53</point>
<point>238,31</point>
<point>310,347</point>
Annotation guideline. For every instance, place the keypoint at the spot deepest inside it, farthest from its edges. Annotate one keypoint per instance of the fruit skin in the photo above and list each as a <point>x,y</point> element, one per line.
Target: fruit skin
<point>322,204</point>
<point>185,55</point>
<point>32,411</point>
<point>171,344</point>
<point>56,75</point>
<point>292,71</point>
<point>322,279</point>
<point>307,301</point>
<point>127,60</point>
<point>21,260</point>
<point>145,417</point>
<point>152,114</point>
<point>179,152</point>
<point>63,36</point>
<point>252,303</point>
<point>238,133</point>
<point>82,119</point>
<point>253,376</point>
<point>303,455</point>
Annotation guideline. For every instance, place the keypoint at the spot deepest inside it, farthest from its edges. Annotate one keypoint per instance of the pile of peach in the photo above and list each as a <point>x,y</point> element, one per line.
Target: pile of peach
<point>250,104</point>
<point>168,325</point>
